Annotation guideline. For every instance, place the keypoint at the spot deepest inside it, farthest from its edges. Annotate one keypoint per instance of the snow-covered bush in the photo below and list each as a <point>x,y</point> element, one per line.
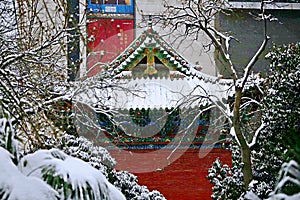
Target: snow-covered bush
<point>100,159</point>
<point>129,186</point>
<point>45,161</point>
<point>85,150</point>
<point>282,105</point>
<point>288,180</point>
<point>15,185</point>
<point>287,186</point>
<point>7,135</point>
<point>5,130</point>
<point>71,177</point>
<point>278,141</point>
<point>228,182</point>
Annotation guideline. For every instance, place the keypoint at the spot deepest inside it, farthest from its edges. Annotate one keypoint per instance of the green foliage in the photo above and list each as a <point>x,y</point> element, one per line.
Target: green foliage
<point>278,142</point>
<point>282,103</point>
<point>228,181</point>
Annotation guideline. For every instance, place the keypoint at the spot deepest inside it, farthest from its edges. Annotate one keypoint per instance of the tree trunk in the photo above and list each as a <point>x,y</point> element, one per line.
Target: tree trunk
<point>246,158</point>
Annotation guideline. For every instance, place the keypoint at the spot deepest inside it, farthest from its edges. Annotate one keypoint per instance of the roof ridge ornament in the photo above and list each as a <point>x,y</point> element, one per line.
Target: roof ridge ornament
<point>149,24</point>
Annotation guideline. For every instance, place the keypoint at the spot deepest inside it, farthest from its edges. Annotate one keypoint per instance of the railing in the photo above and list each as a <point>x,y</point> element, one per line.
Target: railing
<point>275,1</point>
<point>256,4</point>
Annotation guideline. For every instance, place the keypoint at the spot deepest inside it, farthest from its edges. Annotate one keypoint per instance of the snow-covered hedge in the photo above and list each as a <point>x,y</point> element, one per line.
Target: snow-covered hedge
<point>287,186</point>
<point>100,158</point>
<point>128,184</point>
<point>83,149</point>
<point>69,178</point>
<point>15,185</point>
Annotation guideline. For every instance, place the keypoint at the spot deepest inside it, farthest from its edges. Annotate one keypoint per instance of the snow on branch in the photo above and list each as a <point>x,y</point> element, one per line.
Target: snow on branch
<point>256,134</point>
<point>260,50</point>
<point>250,100</point>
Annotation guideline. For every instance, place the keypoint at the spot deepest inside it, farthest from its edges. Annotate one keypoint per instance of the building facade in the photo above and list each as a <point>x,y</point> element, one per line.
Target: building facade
<point>110,29</point>
<point>249,32</point>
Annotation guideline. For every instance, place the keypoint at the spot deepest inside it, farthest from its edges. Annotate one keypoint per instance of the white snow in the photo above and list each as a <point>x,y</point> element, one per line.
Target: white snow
<point>285,197</point>
<point>18,186</point>
<point>114,193</point>
<point>73,170</point>
<point>257,132</point>
<point>156,93</point>
<point>252,196</point>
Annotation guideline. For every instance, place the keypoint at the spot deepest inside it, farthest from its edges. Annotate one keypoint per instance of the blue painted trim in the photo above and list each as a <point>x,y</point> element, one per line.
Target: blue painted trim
<point>164,146</point>
<point>111,8</point>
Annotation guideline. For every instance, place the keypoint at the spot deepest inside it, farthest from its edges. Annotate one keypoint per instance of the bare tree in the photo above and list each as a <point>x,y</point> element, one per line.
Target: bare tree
<point>31,61</point>
<point>37,39</point>
<point>192,17</point>
<point>37,80</point>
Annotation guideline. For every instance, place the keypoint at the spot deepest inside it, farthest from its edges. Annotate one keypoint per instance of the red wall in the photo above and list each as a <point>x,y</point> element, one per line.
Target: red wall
<point>107,39</point>
<point>183,179</point>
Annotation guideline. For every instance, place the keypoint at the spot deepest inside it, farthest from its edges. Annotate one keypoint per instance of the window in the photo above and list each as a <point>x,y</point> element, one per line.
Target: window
<point>110,1</point>
<point>115,2</point>
<point>97,1</point>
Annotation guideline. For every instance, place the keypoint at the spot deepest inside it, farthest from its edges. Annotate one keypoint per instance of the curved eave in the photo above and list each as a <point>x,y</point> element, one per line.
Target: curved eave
<point>165,92</point>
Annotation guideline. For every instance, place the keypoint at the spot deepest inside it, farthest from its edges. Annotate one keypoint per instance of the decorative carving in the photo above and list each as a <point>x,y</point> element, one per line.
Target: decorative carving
<point>150,63</point>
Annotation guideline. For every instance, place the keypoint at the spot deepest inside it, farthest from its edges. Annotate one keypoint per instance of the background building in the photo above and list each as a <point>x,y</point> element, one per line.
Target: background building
<point>118,22</point>
<point>110,29</point>
<point>249,32</point>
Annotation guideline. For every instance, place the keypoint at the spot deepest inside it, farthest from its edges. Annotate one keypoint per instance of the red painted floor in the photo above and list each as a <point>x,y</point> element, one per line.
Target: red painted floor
<point>182,179</point>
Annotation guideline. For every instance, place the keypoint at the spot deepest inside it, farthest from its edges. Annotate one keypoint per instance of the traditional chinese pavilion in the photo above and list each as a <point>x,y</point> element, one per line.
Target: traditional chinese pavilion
<point>163,132</point>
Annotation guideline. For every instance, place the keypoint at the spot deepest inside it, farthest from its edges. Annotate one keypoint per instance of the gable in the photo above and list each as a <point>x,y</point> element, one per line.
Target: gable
<point>151,50</point>
<point>149,42</point>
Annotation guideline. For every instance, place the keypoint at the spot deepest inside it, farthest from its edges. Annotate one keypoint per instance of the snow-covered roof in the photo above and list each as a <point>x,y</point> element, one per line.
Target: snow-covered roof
<point>158,93</point>
<point>150,92</point>
<point>166,93</point>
